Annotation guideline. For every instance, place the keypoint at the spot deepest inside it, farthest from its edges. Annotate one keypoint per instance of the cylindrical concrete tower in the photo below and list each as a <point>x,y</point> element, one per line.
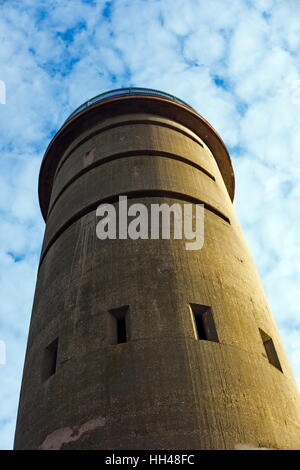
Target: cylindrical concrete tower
<point>141,343</point>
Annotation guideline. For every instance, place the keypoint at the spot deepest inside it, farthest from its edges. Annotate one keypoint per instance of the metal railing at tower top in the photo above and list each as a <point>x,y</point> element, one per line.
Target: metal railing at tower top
<point>126,91</point>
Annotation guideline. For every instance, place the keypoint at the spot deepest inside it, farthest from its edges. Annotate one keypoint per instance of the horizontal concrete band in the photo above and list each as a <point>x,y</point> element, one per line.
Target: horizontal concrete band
<point>152,153</point>
<point>203,347</point>
<point>48,242</point>
<point>130,138</point>
<point>132,174</point>
<point>100,129</point>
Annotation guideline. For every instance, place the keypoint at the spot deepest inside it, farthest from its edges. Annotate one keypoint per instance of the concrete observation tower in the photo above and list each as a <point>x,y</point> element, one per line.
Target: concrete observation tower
<point>143,344</point>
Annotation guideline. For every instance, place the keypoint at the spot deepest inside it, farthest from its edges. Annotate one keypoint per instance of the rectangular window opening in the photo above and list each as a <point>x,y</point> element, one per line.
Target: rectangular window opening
<point>270,350</point>
<point>120,334</point>
<point>50,360</point>
<point>203,321</point>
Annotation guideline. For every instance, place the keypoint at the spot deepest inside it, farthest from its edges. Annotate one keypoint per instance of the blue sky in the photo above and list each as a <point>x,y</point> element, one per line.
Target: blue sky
<point>237,62</point>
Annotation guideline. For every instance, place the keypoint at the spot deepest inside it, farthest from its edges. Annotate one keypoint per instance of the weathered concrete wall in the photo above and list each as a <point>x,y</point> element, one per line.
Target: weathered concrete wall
<point>163,388</point>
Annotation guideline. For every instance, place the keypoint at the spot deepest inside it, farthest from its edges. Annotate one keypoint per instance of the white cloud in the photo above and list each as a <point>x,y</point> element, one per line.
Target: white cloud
<point>204,46</point>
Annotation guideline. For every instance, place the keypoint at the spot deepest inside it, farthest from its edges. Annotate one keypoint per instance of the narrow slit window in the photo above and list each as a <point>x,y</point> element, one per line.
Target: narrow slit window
<point>119,324</point>
<point>270,350</point>
<point>203,321</point>
<point>50,360</point>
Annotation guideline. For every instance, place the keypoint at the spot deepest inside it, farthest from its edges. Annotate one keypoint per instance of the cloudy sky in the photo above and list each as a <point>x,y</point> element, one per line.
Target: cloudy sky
<point>236,61</point>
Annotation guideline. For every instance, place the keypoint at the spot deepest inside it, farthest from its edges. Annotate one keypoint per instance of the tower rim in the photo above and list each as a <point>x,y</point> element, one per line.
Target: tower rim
<point>130,101</point>
<point>126,91</point>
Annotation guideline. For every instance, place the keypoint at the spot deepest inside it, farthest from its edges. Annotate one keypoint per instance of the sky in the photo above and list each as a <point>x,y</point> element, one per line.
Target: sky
<point>237,62</point>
